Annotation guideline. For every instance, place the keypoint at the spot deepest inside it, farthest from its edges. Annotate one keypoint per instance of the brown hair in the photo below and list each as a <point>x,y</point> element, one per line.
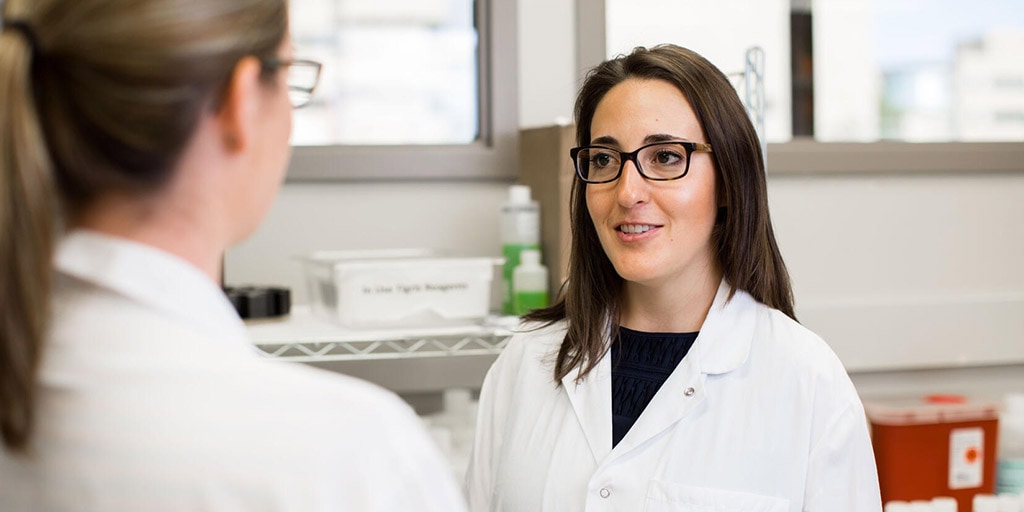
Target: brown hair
<point>744,241</point>
<point>97,96</point>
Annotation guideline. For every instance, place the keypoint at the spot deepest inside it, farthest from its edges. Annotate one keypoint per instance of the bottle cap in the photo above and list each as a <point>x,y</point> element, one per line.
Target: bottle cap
<point>519,194</point>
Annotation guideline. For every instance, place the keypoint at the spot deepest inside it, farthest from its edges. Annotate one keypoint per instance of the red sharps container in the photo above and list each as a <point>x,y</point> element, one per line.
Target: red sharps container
<point>936,445</point>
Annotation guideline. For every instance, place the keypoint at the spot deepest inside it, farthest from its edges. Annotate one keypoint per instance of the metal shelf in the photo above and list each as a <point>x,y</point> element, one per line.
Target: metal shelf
<point>312,351</point>
<point>303,337</point>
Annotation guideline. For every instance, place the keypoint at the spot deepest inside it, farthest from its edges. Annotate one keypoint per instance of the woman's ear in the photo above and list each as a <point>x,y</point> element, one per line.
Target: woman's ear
<point>237,115</point>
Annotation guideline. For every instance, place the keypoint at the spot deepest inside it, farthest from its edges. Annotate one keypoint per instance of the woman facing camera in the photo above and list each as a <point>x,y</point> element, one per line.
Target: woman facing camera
<point>139,139</point>
<point>672,373</point>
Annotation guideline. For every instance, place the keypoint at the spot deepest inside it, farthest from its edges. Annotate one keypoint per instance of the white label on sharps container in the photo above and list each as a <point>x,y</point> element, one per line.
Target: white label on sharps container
<point>966,458</point>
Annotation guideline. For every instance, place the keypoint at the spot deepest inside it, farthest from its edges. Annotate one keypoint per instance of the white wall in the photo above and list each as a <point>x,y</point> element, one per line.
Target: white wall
<point>452,218</point>
<point>547,61</point>
<point>888,269</point>
<point>907,271</point>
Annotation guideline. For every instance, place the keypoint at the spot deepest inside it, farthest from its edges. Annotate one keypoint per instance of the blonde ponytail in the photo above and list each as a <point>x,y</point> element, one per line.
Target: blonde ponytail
<point>27,224</point>
<point>96,97</point>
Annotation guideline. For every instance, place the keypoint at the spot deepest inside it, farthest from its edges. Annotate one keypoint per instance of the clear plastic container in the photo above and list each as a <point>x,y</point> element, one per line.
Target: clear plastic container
<point>403,287</point>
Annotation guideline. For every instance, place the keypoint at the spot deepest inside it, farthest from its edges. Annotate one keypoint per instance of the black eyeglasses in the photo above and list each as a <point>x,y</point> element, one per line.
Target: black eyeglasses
<point>303,76</point>
<point>660,161</point>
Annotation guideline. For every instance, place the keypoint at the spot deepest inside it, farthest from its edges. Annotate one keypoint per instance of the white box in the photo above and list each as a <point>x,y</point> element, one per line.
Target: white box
<point>398,287</point>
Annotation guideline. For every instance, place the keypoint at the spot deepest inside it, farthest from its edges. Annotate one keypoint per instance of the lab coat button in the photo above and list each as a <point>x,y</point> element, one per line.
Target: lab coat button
<point>689,392</point>
<point>605,492</point>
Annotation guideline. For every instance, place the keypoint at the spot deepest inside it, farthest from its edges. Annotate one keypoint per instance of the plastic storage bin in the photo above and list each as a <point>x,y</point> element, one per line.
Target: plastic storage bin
<point>941,445</point>
<point>398,288</point>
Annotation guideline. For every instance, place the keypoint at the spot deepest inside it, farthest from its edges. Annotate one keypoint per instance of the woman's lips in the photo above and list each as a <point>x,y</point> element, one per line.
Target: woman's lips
<point>636,231</point>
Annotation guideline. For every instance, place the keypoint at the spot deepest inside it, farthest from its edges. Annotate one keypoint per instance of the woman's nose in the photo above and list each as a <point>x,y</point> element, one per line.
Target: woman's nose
<point>631,188</point>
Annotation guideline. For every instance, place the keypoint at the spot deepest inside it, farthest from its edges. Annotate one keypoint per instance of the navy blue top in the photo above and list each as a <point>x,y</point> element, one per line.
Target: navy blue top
<point>641,362</point>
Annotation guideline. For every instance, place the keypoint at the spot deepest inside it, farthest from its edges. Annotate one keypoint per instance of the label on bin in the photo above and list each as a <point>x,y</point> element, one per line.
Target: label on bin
<point>966,458</point>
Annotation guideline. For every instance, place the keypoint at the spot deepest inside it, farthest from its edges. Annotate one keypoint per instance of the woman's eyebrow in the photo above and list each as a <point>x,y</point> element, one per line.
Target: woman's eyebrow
<point>605,139</point>
<point>650,139</point>
<point>661,137</point>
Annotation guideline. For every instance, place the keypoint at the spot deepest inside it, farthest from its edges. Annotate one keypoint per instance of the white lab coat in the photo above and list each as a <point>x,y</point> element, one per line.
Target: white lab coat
<point>151,398</point>
<point>759,416</point>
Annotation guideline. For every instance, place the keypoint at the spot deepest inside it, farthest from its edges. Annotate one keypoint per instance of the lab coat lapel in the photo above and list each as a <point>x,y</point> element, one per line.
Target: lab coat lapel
<point>591,400</point>
<point>681,393</point>
<point>722,346</point>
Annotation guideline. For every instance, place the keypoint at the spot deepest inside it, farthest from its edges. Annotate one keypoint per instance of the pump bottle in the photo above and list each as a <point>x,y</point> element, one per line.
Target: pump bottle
<point>520,231</point>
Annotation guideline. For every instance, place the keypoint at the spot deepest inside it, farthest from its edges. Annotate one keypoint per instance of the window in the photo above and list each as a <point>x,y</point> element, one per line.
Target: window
<point>918,70</point>
<point>401,72</point>
<point>856,70</point>
<point>411,89</point>
<point>721,31</point>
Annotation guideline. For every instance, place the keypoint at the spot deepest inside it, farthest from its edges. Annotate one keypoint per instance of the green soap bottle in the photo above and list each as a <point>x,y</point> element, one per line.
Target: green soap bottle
<point>520,231</point>
<point>529,283</point>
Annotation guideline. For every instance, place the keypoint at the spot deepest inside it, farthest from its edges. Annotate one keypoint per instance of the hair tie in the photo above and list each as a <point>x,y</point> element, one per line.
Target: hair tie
<point>26,31</point>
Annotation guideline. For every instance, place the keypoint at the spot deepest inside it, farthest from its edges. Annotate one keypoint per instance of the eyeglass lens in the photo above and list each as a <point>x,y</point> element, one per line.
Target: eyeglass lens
<point>302,81</point>
<point>659,161</point>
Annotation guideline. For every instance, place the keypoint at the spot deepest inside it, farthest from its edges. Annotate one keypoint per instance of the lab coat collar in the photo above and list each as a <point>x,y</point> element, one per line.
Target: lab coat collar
<point>723,345</point>
<point>155,278</point>
<point>591,399</point>
<point>727,333</point>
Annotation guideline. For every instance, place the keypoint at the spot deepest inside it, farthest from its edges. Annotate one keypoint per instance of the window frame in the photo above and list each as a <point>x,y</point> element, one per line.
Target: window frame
<point>808,157</point>
<point>495,153</point>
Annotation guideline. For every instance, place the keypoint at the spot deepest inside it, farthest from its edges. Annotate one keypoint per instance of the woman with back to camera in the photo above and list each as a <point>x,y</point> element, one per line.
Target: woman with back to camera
<point>138,140</point>
<point>671,374</point>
